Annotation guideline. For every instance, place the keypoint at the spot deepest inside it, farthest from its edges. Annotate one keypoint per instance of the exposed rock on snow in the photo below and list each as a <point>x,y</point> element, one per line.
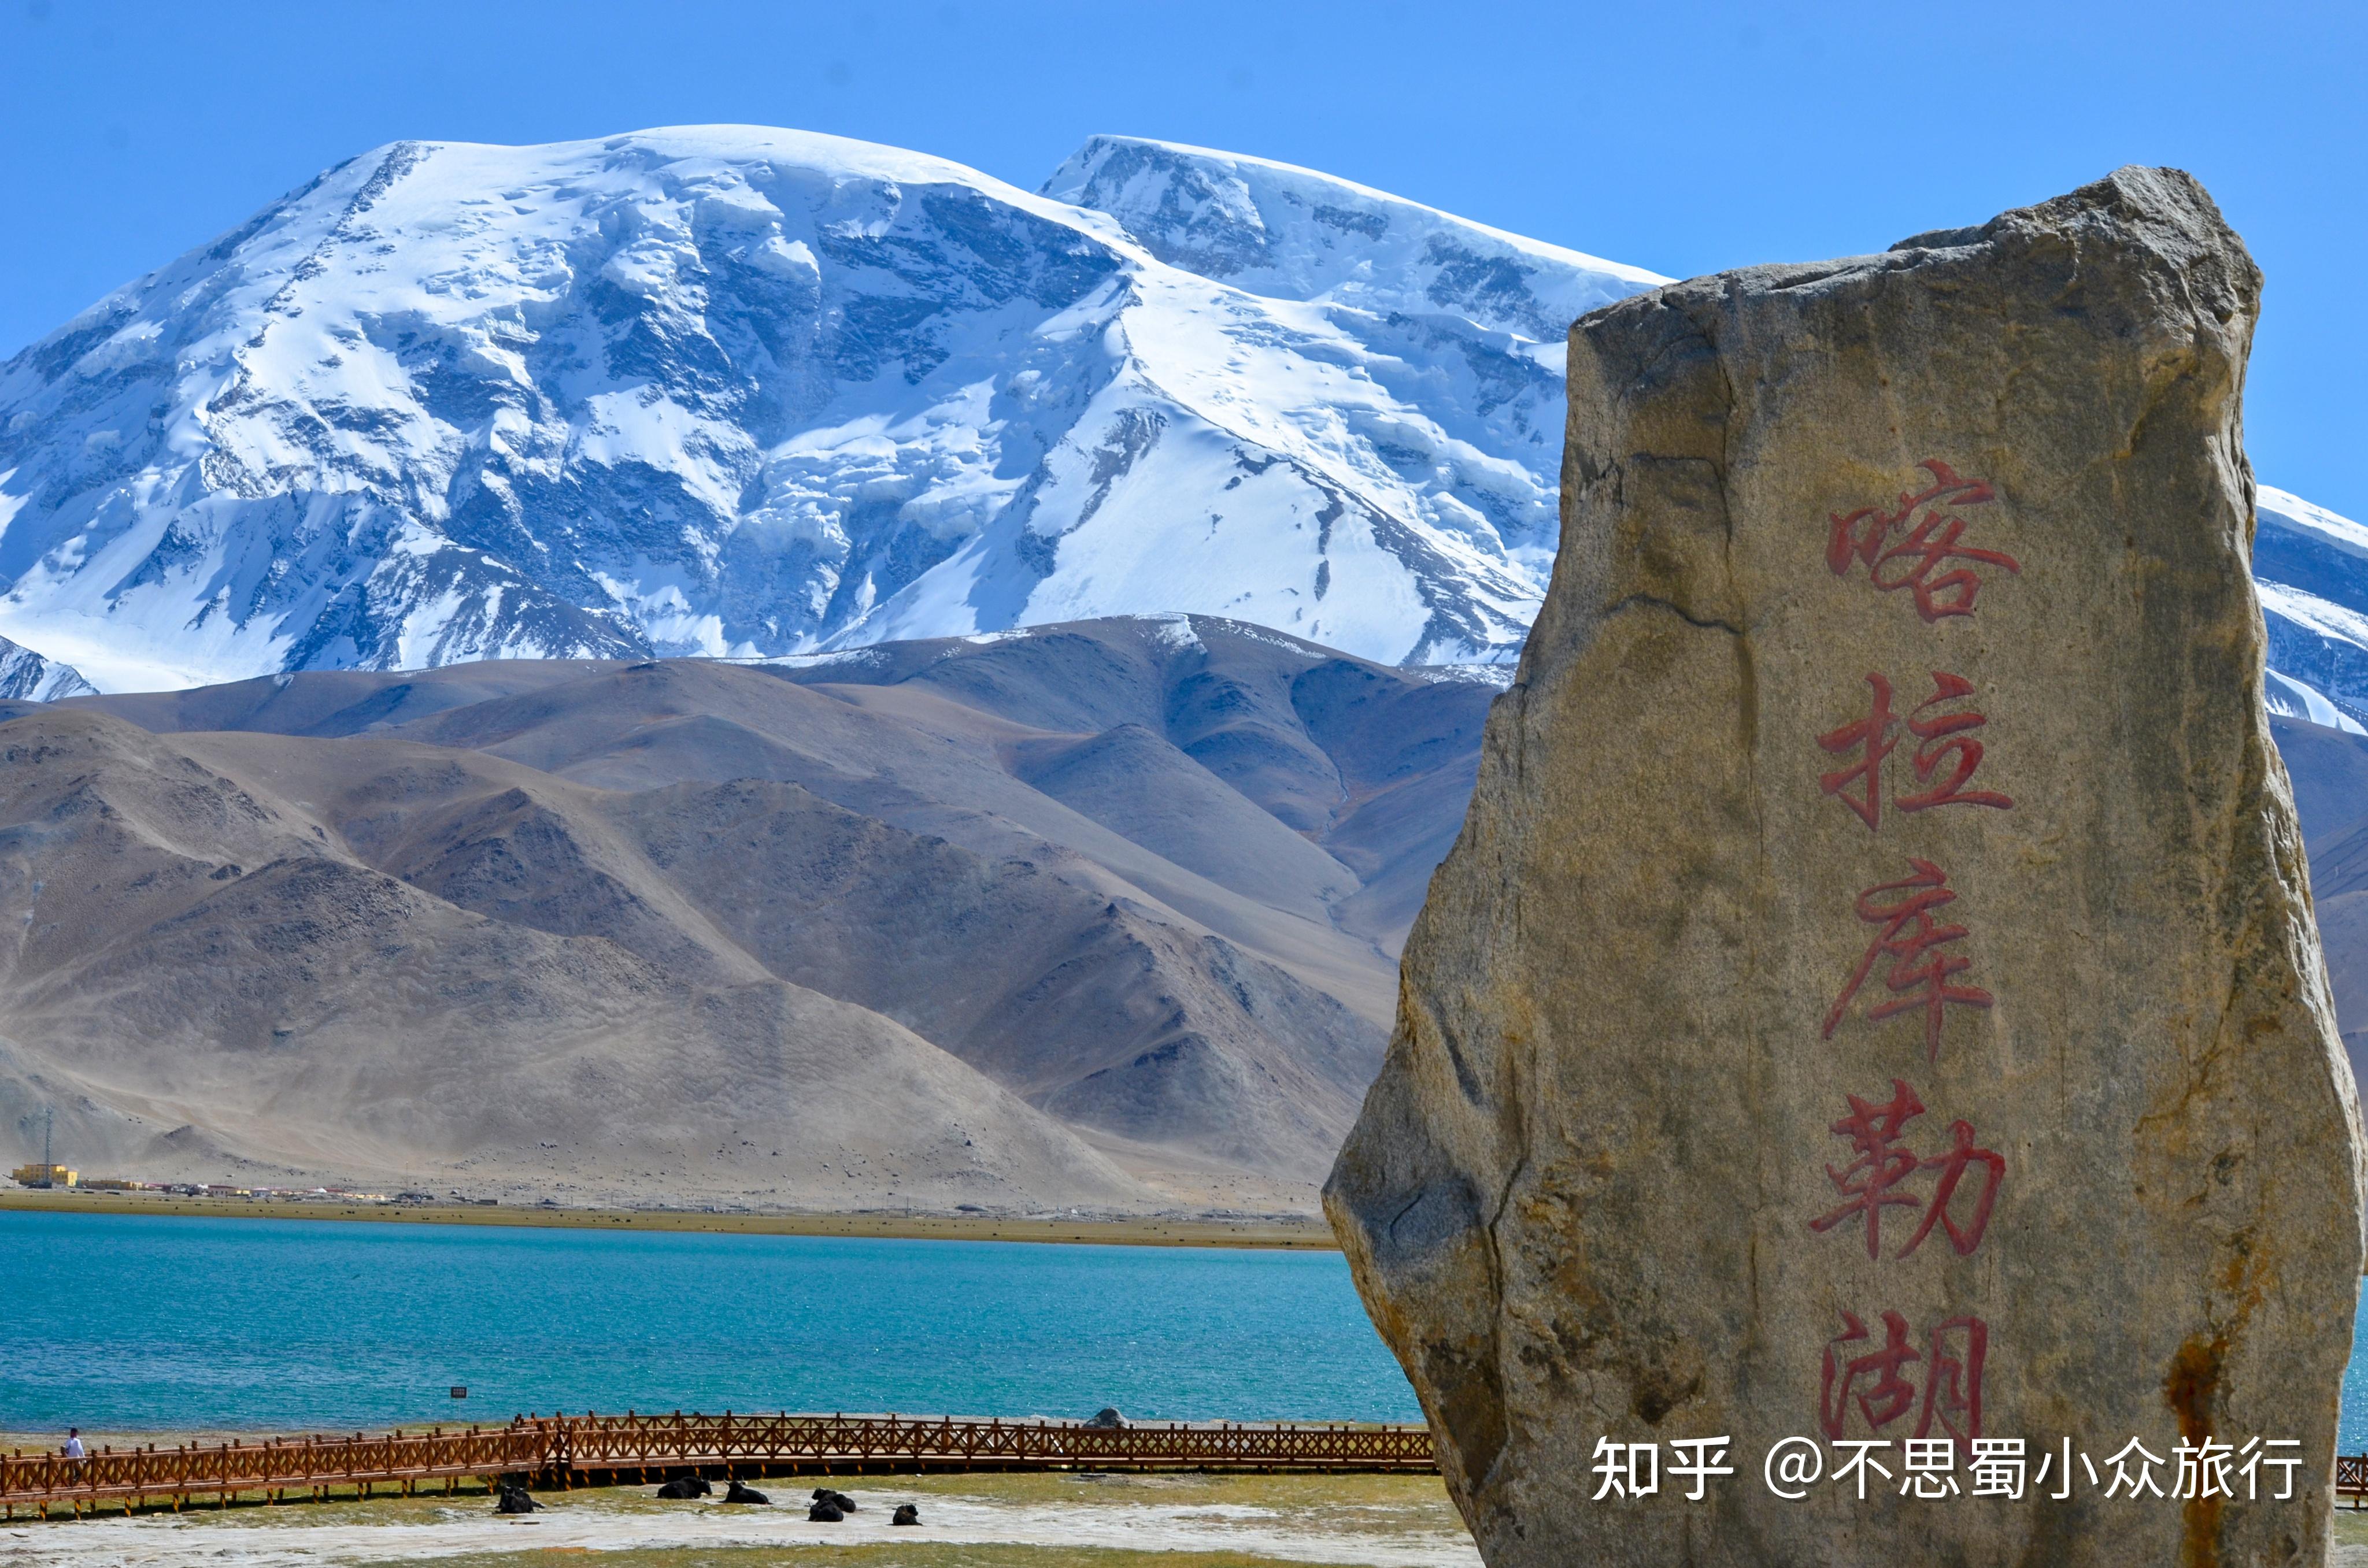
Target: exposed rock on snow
<point>26,675</point>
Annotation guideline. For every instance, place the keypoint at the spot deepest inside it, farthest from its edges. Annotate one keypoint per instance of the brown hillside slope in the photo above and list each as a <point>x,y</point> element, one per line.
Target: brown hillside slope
<point>1022,921</point>
<point>563,929</point>
<point>203,971</point>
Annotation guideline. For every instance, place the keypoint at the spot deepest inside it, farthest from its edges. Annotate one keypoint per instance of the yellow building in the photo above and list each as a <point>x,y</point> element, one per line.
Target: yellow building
<point>45,1176</point>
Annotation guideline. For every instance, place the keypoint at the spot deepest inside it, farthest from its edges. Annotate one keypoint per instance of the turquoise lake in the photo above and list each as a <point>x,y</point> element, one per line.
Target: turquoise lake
<point>121,1323</point>
<point>125,1323</point>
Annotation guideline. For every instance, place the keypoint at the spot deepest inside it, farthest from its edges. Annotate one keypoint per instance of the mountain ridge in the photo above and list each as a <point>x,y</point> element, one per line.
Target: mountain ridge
<point>732,390</point>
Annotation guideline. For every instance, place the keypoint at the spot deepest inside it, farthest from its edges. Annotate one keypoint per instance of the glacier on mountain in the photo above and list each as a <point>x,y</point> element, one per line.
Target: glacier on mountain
<point>757,393</point>
<point>746,393</point>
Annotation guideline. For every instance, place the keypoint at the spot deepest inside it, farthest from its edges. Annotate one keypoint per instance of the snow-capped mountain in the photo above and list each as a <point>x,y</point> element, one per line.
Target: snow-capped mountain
<point>751,393</point>
<point>742,392</point>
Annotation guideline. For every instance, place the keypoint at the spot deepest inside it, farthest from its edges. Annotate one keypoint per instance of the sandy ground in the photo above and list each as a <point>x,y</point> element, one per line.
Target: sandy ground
<point>1265,1231</point>
<point>2350,1536</point>
<point>973,1521</point>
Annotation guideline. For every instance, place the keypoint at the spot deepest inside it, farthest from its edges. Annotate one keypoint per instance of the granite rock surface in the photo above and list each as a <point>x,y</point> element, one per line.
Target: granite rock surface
<point>1875,995</point>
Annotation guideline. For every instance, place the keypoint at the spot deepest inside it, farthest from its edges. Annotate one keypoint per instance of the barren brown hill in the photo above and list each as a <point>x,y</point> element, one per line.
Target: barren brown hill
<point>1100,917</point>
<point>2330,769</point>
<point>1096,916</point>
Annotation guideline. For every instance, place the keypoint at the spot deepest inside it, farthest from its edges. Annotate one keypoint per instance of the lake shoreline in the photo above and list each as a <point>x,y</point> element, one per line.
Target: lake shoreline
<point>1276,1232</point>
<point>976,1520</point>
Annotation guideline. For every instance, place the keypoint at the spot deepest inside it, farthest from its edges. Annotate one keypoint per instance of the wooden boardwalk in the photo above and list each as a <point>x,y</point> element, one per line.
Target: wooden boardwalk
<point>559,1451</point>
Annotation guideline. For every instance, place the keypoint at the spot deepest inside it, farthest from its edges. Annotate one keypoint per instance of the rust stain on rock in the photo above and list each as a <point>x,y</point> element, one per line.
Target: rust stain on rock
<point>2190,1389</point>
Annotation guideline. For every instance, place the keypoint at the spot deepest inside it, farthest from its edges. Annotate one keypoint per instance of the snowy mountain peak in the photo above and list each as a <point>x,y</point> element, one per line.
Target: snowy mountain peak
<point>1293,234</point>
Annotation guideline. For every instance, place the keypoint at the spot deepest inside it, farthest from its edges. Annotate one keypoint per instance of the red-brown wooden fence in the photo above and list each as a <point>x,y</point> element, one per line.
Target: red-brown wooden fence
<point>573,1450</point>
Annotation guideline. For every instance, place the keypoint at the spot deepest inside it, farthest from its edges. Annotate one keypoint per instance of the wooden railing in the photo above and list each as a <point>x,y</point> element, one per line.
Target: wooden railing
<point>271,1467</point>
<point>575,1451</point>
<point>2351,1476</point>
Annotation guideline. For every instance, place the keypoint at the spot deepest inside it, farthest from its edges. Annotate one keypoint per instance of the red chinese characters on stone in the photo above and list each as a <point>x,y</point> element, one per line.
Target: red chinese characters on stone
<point>1881,1164</point>
<point>1942,734</point>
<point>1872,1182</point>
<point>1953,1380</point>
<point>1953,1163</point>
<point>1884,1395</point>
<point>1876,1385</point>
<point>1872,739</point>
<point>1923,958</point>
<point>1943,741</point>
<point>1909,546</point>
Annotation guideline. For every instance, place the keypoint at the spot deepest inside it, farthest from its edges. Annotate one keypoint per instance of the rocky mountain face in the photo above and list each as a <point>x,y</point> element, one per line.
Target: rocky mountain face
<point>732,391</point>
<point>1096,916</point>
<point>2311,568</point>
<point>2329,771</point>
<point>27,674</point>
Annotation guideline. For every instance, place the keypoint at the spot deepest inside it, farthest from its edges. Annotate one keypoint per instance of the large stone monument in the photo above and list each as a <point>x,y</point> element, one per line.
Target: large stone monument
<point>1873,1011</point>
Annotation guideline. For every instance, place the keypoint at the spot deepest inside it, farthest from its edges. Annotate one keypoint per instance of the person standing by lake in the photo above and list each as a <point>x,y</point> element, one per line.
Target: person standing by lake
<point>73,1449</point>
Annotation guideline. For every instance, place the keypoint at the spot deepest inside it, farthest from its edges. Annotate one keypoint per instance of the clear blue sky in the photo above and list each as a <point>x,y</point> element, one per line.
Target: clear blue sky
<point>1680,137</point>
